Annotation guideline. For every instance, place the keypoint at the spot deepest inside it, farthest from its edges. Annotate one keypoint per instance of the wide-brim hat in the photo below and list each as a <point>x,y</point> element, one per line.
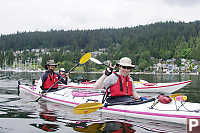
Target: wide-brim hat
<point>50,63</point>
<point>125,61</point>
<point>62,70</point>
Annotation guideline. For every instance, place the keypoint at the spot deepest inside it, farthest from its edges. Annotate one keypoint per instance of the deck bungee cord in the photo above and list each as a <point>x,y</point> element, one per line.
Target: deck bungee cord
<point>179,98</point>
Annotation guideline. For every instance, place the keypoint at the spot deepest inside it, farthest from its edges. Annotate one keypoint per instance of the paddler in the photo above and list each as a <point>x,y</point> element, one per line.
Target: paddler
<point>119,85</point>
<point>49,78</point>
<point>63,76</point>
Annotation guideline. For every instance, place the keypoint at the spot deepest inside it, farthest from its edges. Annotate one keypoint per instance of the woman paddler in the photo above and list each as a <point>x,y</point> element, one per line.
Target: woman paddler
<point>119,85</point>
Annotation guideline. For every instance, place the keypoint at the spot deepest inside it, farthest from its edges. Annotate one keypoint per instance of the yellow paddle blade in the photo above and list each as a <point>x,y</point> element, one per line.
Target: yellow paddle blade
<point>175,95</point>
<point>85,58</point>
<point>93,128</point>
<point>87,108</point>
<point>89,105</point>
<point>85,111</point>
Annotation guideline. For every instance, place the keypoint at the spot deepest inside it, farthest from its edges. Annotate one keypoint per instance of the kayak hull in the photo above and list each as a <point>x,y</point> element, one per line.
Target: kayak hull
<point>161,112</point>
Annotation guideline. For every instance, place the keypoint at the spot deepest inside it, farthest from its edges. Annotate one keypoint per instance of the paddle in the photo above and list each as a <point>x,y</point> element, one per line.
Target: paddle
<point>87,108</point>
<point>83,60</point>
<point>98,62</point>
<point>175,95</point>
<point>101,63</point>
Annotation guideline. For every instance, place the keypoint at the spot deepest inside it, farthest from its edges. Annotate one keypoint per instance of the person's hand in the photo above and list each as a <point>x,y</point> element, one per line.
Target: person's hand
<point>108,71</point>
<point>66,74</point>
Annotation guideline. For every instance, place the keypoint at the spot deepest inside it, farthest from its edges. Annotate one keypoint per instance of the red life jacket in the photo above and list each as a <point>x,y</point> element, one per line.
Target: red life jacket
<point>51,80</point>
<point>123,87</point>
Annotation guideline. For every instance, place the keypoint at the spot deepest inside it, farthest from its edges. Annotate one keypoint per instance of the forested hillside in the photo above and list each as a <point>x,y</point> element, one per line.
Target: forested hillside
<point>160,40</point>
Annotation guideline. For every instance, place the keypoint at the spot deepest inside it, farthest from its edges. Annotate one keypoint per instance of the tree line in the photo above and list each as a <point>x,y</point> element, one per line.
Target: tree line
<point>161,40</point>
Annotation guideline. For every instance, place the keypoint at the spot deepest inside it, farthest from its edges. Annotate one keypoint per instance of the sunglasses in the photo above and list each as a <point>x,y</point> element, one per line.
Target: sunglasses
<point>126,67</point>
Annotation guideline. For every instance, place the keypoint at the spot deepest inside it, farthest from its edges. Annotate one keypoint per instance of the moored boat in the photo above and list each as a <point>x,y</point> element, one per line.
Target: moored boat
<point>141,86</point>
<point>176,111</point>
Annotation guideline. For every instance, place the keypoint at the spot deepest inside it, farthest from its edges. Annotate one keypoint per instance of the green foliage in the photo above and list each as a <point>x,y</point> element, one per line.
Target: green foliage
<point>2,58</point>
<point>160,40</point>
<point>10,57</point>
<point>143,64</point>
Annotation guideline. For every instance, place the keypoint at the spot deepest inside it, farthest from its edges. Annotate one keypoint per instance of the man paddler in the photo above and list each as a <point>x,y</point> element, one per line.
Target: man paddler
<point>50,78</point>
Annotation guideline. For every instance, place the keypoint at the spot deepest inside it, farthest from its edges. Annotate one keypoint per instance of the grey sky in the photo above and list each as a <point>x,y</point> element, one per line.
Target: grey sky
<point>43,15</point>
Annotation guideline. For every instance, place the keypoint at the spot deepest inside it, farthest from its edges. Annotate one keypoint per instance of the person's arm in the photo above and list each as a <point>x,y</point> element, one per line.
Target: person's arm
<point>44,76</point>
<point>64,79</point>
<point>136,95</point>
<point>99,83</point>
<point>110,80</point>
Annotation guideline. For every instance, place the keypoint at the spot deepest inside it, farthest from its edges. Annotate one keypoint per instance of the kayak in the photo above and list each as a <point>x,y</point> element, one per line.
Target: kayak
<point>141,86</point>
<point>175,111</point>
<point>160,87</point>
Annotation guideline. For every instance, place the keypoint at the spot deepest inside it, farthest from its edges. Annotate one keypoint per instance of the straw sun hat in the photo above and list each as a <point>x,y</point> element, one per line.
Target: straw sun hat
<point>125,61</point>
<point>62,70</point>
<point>50,63</point>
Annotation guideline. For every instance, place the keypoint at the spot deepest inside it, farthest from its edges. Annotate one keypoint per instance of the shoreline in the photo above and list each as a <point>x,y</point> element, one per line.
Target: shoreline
<point>100,72</point>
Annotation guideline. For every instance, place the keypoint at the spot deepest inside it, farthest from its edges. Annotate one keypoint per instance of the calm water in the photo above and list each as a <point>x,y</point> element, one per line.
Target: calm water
<point>20,115</point>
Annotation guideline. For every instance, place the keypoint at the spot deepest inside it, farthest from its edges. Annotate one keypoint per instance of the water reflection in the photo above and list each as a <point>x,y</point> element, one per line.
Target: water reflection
<point>48,116</point>
<point>58,117</point>
<point>46,127</point>
<point>82,125</point>
<point>107,127</point>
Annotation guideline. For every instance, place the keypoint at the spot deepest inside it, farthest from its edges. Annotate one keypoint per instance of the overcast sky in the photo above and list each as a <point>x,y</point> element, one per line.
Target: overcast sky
<point>43,15</point>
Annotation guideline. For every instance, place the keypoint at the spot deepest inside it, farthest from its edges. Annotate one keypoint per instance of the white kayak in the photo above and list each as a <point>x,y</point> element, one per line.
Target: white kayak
<point>176,111</point>
<point>141,86</point>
